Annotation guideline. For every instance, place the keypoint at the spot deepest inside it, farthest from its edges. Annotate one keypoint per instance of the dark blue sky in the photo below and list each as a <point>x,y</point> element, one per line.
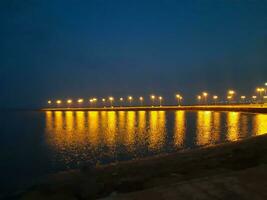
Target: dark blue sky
<point>83,48</point>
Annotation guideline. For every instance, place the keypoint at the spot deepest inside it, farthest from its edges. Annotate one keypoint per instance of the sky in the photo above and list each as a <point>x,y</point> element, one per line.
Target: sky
<point>56,49</point>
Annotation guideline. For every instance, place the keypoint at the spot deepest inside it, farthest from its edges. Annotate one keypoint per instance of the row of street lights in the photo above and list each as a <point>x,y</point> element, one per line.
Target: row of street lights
<point>155,100</point>
<point>203,98</point>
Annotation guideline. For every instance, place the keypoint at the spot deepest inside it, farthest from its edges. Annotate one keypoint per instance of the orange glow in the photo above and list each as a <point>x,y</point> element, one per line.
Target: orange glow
<point>80,100</point>
<point>69,101</point>
<point>49,101</point>
<point>179,128</point>
<point>59,101</point>
<point>203,128</point>
<point>233,125</point>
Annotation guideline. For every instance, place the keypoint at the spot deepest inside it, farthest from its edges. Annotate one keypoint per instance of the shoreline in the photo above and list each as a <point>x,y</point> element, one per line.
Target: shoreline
<point>128,178</point>
<point>235,108</point>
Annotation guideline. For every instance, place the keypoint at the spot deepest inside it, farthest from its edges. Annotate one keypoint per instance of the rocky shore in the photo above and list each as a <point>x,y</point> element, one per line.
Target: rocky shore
<point>236,170</point>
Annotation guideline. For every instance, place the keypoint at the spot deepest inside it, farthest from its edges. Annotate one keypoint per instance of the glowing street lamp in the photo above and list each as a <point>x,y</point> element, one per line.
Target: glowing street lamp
<point>58,102</point>
<point>153,99</point>
<point>49,102</point>
<point>111,99</point>
<point>141,100</point>
<point>130,98</point>
<point>69,102</point>
<point>199,98</point>
<point>80,101</point>
<point>121,101</point>
<point>179,98</point>
<point>104,102</point>
<point>260,91</point>
<point>243,98</point>
<point>215,98</point>
<point>160,100</point>
<point>205,94</point>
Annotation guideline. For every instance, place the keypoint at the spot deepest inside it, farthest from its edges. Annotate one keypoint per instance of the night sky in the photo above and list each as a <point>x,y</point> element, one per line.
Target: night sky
<point>85,48</point>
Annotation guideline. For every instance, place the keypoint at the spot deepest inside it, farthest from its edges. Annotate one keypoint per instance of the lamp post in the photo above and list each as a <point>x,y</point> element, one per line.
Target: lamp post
<point>243,99</point>
<point>69,102</point>
<point>130,98</point>
<point>205,94</point>
<point>215,98</point>
<point>111,99</point>
<point>121,101</point>
<point>179,99</point>
<point>231,93</point>
<point>58,102</point>
<point>260,91</point>
<point>104,102</point>
<point>141,100</point>
<point>160,100</point>
<point>254,99</point>
<point>199,99</point>
<point>49,102</point>
<point>153,99</point>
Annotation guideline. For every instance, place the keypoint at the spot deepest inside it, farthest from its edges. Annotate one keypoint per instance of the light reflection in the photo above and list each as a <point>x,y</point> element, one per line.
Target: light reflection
<point>233,126</point>
<point>203,128</point>
<point>260,124</point>
<point>216,130</point>
<point>93,128</point>
<point>179,128</point>
<point>156,129</point>
<point>94,135</point>
<point>130,130</point>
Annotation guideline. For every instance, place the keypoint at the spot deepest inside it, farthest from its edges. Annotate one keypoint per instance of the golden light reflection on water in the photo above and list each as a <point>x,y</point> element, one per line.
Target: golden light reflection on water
<point>233,125</point>
<point>157,129</point>
<point>260,124</point>
<point>74,132</point>
<point>179,128</point>
<point>203,128</point>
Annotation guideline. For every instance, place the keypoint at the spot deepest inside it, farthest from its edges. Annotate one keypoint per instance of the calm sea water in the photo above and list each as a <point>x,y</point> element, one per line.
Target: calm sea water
<point>34,144</point>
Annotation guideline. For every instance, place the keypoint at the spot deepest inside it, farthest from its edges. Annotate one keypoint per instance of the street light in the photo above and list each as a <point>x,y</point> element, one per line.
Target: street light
<point>215,97</point>
<point>153,99</point>
<point>69,101</point>
<point>58,102</point>
<point>121,100</point>
<point>111,99</point>
<point>179,98</point>
<point>243,98</point>
<point>199,98</point>
<point>205,94</point>
<point>49,102</point>
<point>104,102</point>
<point>130,98</point>
<point>260,90</point>
<point>160,100</point>
<point>80,101</point>
<point>141,100</point>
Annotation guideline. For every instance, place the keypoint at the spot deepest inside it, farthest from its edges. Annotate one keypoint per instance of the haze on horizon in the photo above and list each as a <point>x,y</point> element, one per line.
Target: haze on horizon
<point>68,48</point>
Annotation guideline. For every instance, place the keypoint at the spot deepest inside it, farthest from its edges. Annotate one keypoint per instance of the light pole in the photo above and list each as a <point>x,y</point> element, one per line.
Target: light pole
<point>111,99</point>
<point>141,100</point>
<point>69,102</point>
<point>49,102</point>
<point>179,99</point>
<point>153,99</point>
<point>121,101</point>
<point>130,98</point>
<point>260,91</point>
<point>104,102</point>
<point>199,99</point>
<point>254,99</point>
<point>231,93</point>
<point>58,102</point>
<point>215,97</point>
<point>205,94</point>
<point>160,100</point>
<point>243,99</point>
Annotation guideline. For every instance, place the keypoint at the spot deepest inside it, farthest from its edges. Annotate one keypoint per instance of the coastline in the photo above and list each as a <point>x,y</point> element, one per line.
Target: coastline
<point>159,173</point>
<point>252,108</point>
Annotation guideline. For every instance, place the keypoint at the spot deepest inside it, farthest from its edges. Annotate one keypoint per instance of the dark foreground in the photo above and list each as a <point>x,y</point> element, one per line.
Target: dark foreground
<point>230,171</point>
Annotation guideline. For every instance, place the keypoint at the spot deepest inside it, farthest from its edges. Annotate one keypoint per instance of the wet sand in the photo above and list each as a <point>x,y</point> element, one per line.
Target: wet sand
<point>237,170</point>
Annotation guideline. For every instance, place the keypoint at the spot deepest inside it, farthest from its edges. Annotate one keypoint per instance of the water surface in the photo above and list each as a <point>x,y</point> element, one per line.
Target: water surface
<point>33,144</point>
